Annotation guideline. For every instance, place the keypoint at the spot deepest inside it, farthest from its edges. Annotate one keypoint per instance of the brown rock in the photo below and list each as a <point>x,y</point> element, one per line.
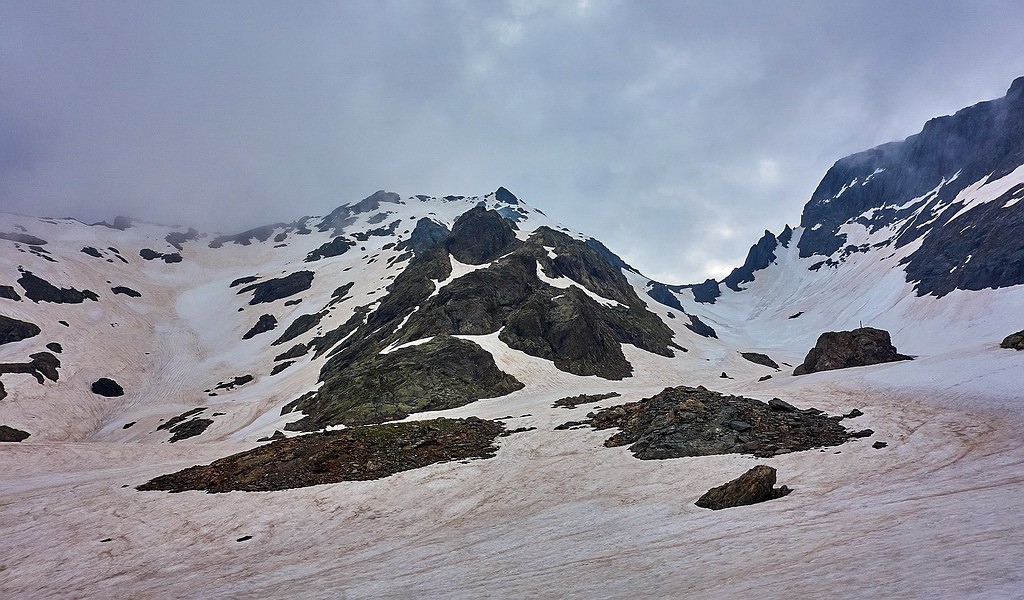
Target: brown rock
<point>844,349</point>
<point>1014,341</point>
<point>756,485</point>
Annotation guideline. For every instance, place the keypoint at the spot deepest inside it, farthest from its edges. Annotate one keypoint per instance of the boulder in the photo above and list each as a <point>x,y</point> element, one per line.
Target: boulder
<point>844,349</point>
<point>760,359</point>
<point>1014,341</point>
<point>14,330</point>
<point>10,434</point>
<point>756,485</point>
<point>107,387</point>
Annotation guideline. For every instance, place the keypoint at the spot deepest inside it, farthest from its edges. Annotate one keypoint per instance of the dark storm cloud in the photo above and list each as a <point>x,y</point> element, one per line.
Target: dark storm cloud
<point>673,131</point>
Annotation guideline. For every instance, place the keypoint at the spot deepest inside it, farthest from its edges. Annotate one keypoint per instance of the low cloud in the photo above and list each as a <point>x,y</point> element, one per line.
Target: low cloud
<point>653,126</point>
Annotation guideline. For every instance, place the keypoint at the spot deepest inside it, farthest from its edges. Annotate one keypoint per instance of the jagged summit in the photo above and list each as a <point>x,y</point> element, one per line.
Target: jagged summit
<point>941,206</point>
<point>950,154</point>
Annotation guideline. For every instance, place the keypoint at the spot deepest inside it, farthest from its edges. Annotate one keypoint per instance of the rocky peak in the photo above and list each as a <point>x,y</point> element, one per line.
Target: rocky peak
<point>952,151</point>
<point>338,218</point>
<point>479,236</point>
<point>505,197</point>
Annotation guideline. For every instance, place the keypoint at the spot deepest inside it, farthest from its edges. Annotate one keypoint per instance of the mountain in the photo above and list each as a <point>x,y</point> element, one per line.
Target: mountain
<point>424,389</point>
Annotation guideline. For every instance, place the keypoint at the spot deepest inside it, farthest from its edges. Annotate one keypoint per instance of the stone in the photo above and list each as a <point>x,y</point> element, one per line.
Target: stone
<point>1014,341</point>
<point>10,434</point>
<point>107,387</point>
<point>760,359</point>
<point>754,486</point>
<point>127,291</point>
<point>15,330</point>
<point>844,349</point>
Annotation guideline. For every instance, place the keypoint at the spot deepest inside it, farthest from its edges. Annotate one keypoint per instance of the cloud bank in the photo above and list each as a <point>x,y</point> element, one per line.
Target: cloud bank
<point>675,132</point>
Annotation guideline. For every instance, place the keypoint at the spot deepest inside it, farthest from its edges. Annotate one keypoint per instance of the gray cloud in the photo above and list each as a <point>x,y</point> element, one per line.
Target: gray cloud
<point>673,131</point>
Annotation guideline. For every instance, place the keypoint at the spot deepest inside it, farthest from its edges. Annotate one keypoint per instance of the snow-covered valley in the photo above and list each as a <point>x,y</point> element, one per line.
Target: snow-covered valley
<point>220,343</point>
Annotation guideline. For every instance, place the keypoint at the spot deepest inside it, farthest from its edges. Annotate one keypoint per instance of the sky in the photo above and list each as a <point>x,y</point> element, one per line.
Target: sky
<point>674,132</point>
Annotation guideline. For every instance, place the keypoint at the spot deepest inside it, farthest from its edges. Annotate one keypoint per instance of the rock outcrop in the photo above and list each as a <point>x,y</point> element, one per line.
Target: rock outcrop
<point>760,359</point>
<point>264,324</point>
<point>10,434</point>
<point>355,454</point>
<point>844,349</point>
<point>684,421</point>
<point>282,287</point>
<point>14,330</point>
<point>756,485</point>
<point>1014,341</point>
<point>107,387</point>
<point>39,290</point>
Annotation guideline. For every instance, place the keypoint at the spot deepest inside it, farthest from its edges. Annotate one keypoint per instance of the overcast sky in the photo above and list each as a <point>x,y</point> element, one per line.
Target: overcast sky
<point>675,132</point>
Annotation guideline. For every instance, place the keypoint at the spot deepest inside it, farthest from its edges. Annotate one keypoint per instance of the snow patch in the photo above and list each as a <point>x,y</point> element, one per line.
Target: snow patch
<point>563,283</point>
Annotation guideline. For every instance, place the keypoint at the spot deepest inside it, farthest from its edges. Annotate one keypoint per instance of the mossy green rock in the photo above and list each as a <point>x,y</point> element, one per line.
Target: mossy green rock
<point>444,373</point>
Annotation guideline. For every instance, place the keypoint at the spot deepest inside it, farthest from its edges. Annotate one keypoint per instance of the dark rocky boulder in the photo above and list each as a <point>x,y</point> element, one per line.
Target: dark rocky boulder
<point>684,421</point>
<point>1014,341</point>
<point>107,387</point>
<point>14,330</point>
<point>760,359</point>
<point>844,349</point>
<point>127,291</point>
<point>480,236</point>
<point>10,434</point>
<point>264,324</point>
<point>55,347</point>
<point>756,485</point>
<point>91,252</point>
<point>39,290</point>
<point>149,254</point>
<point>282,287</point>
<point>172,257</point>
<point>353,454</point>
<point>8,291</point>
